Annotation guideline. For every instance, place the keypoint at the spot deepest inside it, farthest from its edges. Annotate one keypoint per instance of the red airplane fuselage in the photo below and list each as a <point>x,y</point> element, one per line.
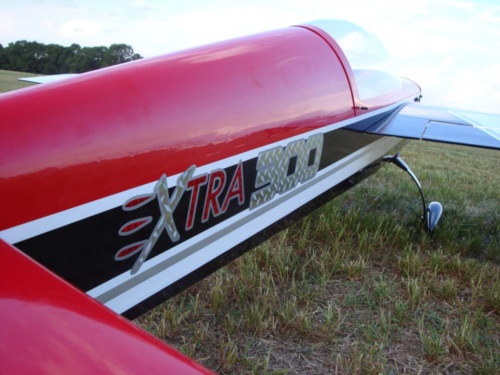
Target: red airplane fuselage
<point>134,181</point>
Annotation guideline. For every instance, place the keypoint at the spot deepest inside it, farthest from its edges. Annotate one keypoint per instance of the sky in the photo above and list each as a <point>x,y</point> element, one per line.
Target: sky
<point>450,47</point>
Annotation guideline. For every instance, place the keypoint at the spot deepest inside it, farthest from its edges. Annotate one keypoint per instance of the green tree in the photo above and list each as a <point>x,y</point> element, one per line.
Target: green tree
<point>55,61</point>
<point>37,57</point>
<point>20,56</point>
<point>2,57</point>
<point>118,54</point>
<point>86,59</point>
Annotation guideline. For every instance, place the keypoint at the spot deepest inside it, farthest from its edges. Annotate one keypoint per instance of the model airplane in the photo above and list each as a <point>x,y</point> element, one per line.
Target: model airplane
<point>133,182</point>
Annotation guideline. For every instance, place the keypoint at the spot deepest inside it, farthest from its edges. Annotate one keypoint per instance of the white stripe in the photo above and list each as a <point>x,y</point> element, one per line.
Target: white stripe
<point>324,180</point>
<point>60,219</point>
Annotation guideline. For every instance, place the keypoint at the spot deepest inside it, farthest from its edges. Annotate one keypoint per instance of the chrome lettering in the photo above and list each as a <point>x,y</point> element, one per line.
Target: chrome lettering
<point>292,150</point>
<point>166,221</point>
<point>273,168</point>
<point>314,144</point>
<point>278,170</point>
<point>268,176</point>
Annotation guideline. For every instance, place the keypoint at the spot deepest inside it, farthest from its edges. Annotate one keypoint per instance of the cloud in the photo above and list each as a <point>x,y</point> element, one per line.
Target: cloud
<point>78,28</point>
<point>476,84</point>
<point>7,25</point>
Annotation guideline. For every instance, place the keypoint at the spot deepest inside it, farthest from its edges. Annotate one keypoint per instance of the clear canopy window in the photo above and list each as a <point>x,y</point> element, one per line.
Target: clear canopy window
<point>373,70</point>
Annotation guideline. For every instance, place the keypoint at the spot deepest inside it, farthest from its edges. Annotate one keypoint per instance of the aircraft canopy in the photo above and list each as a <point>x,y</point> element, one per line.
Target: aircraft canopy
<point>374,71</point>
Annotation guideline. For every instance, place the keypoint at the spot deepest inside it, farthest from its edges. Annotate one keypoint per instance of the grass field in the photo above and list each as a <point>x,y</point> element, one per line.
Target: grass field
<point>9,80</point>
<point>357,286</point>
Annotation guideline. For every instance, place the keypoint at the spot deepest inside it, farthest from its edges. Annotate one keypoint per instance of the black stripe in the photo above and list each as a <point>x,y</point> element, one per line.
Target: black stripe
<point>248,244</point>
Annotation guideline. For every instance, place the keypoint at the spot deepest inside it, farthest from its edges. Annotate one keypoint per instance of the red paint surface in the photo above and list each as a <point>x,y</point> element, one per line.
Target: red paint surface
<point>129,250</point>
<point>135,224</point>
<point>132,204</point>
<point>49,327</point>
<point>75,141</point>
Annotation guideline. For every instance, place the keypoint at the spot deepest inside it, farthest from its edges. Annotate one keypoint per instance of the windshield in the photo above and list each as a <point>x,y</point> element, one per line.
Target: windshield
<point>373,70</point>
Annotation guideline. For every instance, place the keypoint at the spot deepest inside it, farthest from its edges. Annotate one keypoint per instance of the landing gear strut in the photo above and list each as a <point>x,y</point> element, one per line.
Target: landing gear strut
<point>431,213</point>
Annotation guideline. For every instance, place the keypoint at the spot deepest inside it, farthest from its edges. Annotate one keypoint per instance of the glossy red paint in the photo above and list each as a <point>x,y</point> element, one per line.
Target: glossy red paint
<point>341,57</point>
<point>49,327</point>
<point>75,141</point>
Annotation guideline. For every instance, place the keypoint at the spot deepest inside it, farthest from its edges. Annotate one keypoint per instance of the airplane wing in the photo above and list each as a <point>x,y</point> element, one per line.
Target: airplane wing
<point>416,121</point>
<point>48,79</point>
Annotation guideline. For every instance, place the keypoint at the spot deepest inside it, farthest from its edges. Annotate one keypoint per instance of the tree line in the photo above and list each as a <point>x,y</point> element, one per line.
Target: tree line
<point>34,57</point>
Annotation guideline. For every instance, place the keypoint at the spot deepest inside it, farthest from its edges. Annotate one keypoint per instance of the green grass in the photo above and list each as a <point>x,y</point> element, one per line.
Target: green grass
<point>357,286</point>
<point>9,80</point>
